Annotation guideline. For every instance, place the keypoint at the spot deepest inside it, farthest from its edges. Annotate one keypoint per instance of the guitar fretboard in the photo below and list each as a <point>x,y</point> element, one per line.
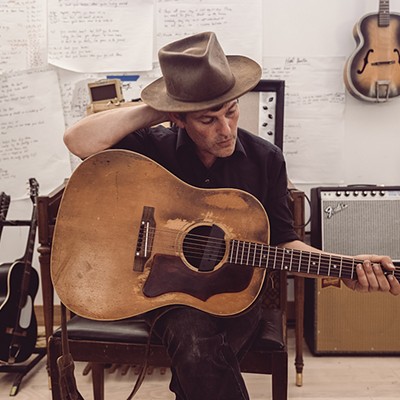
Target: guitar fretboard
<point>384,13</point>
<point>271,257</point>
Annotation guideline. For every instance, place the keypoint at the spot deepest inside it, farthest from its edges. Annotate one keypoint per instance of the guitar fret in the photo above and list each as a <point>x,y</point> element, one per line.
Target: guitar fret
<point>329,265</point>
<point>248,253</point>
<point>261,254</point>
<point>241,257</point>
<point>273,266</point>
<point>231,250</point>
<point>254,254</point>
<point>315,264</point>
<point>352,269</point>
<point>335,271</point>
<point>299,267</point>
<point>283,258</point>
<point>267,258</point>
<point>237,252</point>
<point>319,264</point>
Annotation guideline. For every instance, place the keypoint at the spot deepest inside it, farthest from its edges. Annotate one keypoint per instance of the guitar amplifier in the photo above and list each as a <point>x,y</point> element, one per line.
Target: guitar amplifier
<point>353,220</point>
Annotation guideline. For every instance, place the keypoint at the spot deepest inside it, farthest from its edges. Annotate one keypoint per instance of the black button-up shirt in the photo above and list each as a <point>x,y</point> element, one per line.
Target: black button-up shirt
<point>256,166</point>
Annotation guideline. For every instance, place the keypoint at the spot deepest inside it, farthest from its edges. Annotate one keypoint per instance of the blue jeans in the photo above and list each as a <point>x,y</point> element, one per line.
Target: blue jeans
<point>205,352</point>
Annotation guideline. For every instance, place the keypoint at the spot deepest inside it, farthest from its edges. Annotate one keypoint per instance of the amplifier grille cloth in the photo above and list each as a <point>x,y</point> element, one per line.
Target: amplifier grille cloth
<point>372,225</point>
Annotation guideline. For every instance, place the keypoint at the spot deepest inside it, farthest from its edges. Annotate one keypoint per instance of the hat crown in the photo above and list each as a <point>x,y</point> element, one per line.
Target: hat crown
<point>197,75</point>
<point>195,68</point>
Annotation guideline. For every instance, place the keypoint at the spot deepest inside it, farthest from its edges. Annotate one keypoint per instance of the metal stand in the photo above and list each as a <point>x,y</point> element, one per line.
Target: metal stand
<point>22,369</point>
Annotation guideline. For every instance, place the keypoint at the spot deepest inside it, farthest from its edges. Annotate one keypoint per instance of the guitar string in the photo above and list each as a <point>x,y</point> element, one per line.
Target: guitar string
<point>336,264</point>
<point>206,239</point>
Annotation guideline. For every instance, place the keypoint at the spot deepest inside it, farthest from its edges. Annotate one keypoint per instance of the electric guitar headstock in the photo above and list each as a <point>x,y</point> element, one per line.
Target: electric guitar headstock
<point>33,189</point>
<point>4,204</point>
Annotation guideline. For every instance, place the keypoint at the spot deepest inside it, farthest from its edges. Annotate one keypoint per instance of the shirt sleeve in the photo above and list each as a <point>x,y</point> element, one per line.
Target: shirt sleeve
<point>277,207</point>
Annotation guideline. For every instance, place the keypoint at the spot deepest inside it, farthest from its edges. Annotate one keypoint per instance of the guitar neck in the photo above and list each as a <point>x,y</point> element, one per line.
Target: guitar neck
<point>4,205</point>
<point>384,13</point>
<point>309,263</point>
<point>28,254</point>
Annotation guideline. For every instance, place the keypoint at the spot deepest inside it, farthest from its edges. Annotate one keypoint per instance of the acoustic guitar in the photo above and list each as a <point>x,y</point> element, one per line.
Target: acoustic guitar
<point>19,283</point>
<point>131,237</point>
<point>372,72</point>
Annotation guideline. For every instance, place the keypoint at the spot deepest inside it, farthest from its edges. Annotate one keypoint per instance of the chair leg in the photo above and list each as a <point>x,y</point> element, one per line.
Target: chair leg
<point>54,351</point>
<point>280,376</point>
<point>98,380</point>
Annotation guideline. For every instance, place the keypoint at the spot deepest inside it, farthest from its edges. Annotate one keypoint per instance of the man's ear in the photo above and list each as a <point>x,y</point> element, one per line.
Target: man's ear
<point>176,119</point>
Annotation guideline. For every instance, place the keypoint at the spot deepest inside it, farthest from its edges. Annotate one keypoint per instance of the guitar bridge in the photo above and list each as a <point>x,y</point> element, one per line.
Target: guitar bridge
<point>145,239</point>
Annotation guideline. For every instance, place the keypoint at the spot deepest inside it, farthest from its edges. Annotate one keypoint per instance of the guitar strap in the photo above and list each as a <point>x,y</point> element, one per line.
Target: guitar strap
<point>65,364</point>
<point>143,369</point>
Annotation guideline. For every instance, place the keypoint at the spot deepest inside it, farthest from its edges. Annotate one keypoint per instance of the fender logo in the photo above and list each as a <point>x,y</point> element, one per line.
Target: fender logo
<point>331,211</point>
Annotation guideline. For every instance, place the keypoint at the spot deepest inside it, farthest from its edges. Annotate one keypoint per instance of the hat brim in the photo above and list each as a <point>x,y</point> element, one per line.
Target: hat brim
<point>247,74</point>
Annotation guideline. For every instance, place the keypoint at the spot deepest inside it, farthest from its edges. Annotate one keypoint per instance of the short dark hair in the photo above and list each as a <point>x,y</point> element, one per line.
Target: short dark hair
<point>182,115</point>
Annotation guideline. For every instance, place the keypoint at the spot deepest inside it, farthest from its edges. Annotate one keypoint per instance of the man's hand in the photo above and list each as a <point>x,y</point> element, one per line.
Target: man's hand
<point>371,277</point>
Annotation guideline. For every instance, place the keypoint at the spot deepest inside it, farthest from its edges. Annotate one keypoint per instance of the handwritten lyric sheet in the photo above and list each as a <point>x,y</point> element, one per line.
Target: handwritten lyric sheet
<point>31,129</point>
<point>314,115</point>
<point>23,43</point>
<point>237,23</point>
<point>102,36</point>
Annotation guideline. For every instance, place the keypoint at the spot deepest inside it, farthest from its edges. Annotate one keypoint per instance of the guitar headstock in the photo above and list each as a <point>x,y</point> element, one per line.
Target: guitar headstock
<point>4,204</point>
<point>33,189</point>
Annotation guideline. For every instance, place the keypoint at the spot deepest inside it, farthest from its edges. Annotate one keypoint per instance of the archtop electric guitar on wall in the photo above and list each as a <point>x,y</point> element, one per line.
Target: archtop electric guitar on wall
<point>372,72</point>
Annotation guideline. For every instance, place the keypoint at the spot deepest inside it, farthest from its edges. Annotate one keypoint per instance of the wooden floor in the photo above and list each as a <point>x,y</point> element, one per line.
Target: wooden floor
<point>334,378</point>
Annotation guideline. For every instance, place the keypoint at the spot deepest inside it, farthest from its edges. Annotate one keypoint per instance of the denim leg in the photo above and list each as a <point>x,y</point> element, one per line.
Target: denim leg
<point>204,352</point>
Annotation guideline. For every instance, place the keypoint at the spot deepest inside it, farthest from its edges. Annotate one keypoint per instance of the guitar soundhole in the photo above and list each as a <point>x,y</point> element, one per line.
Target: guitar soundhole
<point>204,247</point>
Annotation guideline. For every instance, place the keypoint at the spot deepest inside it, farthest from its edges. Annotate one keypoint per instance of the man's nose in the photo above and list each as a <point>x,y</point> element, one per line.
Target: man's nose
<point>223,126</point>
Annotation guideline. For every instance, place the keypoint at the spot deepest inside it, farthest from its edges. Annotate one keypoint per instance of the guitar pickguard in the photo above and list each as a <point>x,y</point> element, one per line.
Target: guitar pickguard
<point>169,274</point>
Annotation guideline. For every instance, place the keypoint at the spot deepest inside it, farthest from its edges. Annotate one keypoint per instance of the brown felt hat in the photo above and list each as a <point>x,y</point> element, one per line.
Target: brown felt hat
<point>197,75</point>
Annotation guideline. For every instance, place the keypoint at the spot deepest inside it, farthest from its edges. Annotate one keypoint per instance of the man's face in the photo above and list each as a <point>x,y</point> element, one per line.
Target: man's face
<point>214,131</point>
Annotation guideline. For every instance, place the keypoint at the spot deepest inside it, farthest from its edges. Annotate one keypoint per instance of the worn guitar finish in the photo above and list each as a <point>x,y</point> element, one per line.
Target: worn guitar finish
<point>131,237</point>
<point>103,257</point>
<point>372,72</point>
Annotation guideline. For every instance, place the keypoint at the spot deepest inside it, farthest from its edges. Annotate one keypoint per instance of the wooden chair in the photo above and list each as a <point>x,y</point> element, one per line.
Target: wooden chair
<point>124,342</point>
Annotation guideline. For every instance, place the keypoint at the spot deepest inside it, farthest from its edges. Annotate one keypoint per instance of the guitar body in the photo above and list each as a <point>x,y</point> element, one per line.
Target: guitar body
<point>372,73</point>
<point>106,264</point>
<point>11,276</point>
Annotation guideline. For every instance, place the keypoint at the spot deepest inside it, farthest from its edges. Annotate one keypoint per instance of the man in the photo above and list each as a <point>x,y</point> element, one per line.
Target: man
<point>198,93</point>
